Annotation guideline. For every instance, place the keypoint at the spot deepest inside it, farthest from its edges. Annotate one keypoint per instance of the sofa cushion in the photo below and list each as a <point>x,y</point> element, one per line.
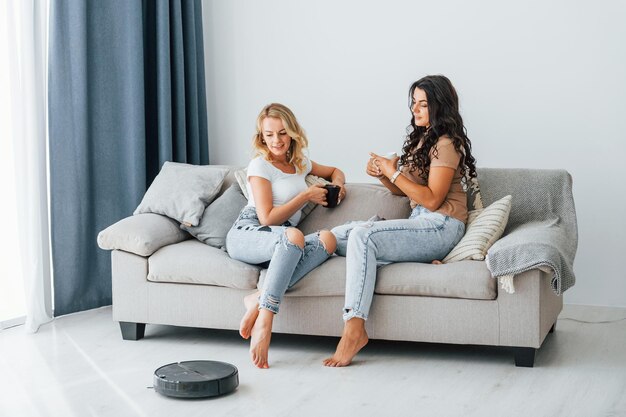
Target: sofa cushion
<point>327,280</point>
<point>466,279</point>
<point>242,179</point>
<point>193,262</point>
<point>218,218</point>
<point>362,201</point>
<point>182,191</point>
<point>482,232</point>
<point>141,234</point>
<point>474,197</point>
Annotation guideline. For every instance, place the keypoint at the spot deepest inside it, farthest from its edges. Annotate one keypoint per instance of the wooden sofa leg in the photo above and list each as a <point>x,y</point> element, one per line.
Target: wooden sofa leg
<point>524,356</point>
<point>132,331</point>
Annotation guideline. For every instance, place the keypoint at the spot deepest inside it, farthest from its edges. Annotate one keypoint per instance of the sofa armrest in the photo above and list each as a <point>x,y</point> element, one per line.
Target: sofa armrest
<point>142,234</point>
<point>543,244</point>
<point>527,315</point>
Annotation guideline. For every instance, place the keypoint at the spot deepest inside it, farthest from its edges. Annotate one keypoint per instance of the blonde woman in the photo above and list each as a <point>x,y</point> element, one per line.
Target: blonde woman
<point>266,228</point>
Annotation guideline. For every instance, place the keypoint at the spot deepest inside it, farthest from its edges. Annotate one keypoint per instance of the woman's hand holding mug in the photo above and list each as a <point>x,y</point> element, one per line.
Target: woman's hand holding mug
<point>317,194</point>
<point>382,166</point>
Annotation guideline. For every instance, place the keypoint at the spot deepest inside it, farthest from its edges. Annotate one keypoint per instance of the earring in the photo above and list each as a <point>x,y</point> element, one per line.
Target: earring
<point>290,151</point>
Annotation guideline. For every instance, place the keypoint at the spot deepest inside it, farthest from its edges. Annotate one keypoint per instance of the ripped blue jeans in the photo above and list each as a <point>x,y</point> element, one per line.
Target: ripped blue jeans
<point>250,242</point>
<point>423,237</point>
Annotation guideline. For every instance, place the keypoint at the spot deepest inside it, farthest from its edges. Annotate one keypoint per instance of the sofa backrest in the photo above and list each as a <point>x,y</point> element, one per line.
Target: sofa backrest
<point>362,202</point>
<point>230,177</point>
<point>547,189</point>
<point>538,194</point>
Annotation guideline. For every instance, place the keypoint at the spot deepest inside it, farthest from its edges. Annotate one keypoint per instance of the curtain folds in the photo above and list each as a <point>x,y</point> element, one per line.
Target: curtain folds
<point>27,25</point>
<point>183,114</point>
<point>126,94</point>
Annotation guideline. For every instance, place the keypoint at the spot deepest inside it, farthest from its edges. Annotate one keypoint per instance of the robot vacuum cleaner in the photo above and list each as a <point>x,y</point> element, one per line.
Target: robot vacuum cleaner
<point>196,379</point>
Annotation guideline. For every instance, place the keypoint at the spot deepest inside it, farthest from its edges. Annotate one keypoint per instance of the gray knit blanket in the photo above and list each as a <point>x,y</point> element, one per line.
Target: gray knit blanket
<point>542,231</point>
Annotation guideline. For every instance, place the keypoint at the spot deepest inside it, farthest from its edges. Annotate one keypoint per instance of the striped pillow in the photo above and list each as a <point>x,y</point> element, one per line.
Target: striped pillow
<point>487,227</point>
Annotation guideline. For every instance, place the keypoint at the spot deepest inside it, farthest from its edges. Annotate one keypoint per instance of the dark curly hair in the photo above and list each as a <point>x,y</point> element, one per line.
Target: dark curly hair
<point>444,119</point>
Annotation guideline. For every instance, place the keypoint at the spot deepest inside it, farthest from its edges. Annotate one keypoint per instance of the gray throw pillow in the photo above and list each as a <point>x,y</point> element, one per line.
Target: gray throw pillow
<point>182,191</point>
<point>219,217</point>
<point>142,234</point>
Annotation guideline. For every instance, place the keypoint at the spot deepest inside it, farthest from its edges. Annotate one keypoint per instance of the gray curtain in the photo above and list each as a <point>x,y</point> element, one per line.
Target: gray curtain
<point>126,93</point>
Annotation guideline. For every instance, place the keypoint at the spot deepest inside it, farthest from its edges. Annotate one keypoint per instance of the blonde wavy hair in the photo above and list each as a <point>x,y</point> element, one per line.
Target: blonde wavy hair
<point>299,141</point>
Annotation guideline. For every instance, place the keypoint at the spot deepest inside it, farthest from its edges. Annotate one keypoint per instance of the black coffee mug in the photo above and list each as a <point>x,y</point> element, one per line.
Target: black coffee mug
<point>332,197</point>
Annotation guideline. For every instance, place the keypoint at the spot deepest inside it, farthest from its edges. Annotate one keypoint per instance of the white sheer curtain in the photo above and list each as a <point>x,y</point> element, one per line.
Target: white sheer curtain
<point>27,25</point>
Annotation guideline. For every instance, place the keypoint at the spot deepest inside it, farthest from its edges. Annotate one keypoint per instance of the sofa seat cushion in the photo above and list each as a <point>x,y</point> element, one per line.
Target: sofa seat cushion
<point>327,280</point>
<point>193,262</point>
<point>465,279</point>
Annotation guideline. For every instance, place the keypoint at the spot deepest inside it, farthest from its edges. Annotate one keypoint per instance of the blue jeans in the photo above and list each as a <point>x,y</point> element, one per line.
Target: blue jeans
<point>423,237</point>
<point>248,241</point>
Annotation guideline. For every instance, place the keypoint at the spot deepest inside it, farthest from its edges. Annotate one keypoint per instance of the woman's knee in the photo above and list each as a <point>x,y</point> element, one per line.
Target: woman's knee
<point>295,236</point>
<point>329,241</point>
<point>360,233</point>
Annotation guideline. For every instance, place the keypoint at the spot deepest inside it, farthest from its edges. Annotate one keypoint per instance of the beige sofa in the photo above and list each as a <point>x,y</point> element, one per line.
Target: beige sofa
<point>177,280</point>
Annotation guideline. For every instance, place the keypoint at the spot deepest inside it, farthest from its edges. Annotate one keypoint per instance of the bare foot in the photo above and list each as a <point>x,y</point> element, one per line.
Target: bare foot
<point>252,312</point>
<point>350,344</point>
<point>260,342</point>
<point>436,262</point>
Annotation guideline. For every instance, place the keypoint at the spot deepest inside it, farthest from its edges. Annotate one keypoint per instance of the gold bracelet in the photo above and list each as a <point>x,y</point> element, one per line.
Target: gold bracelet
<point>395,176</point>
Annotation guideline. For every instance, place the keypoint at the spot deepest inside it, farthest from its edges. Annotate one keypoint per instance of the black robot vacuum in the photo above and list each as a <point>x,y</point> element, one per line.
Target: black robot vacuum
<point>196,379</point>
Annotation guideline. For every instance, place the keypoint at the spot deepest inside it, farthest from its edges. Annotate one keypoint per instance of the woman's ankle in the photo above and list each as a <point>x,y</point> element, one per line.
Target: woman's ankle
<point>265,317</point>
<point>354,327</point>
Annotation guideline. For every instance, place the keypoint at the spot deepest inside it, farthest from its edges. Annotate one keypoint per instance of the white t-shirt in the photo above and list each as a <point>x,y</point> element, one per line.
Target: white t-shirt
<point>284,186</point>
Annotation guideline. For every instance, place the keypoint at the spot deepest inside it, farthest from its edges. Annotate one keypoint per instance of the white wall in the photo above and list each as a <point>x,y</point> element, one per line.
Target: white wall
<point>542,85</point>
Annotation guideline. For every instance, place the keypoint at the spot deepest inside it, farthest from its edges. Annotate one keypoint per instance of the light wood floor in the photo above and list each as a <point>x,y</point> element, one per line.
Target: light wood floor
<point>79,365</point>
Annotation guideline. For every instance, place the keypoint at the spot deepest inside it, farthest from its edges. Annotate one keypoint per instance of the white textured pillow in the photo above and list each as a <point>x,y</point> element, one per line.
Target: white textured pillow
<point>487,227</point>
<point>182,191</point>
<point>242,180</point>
